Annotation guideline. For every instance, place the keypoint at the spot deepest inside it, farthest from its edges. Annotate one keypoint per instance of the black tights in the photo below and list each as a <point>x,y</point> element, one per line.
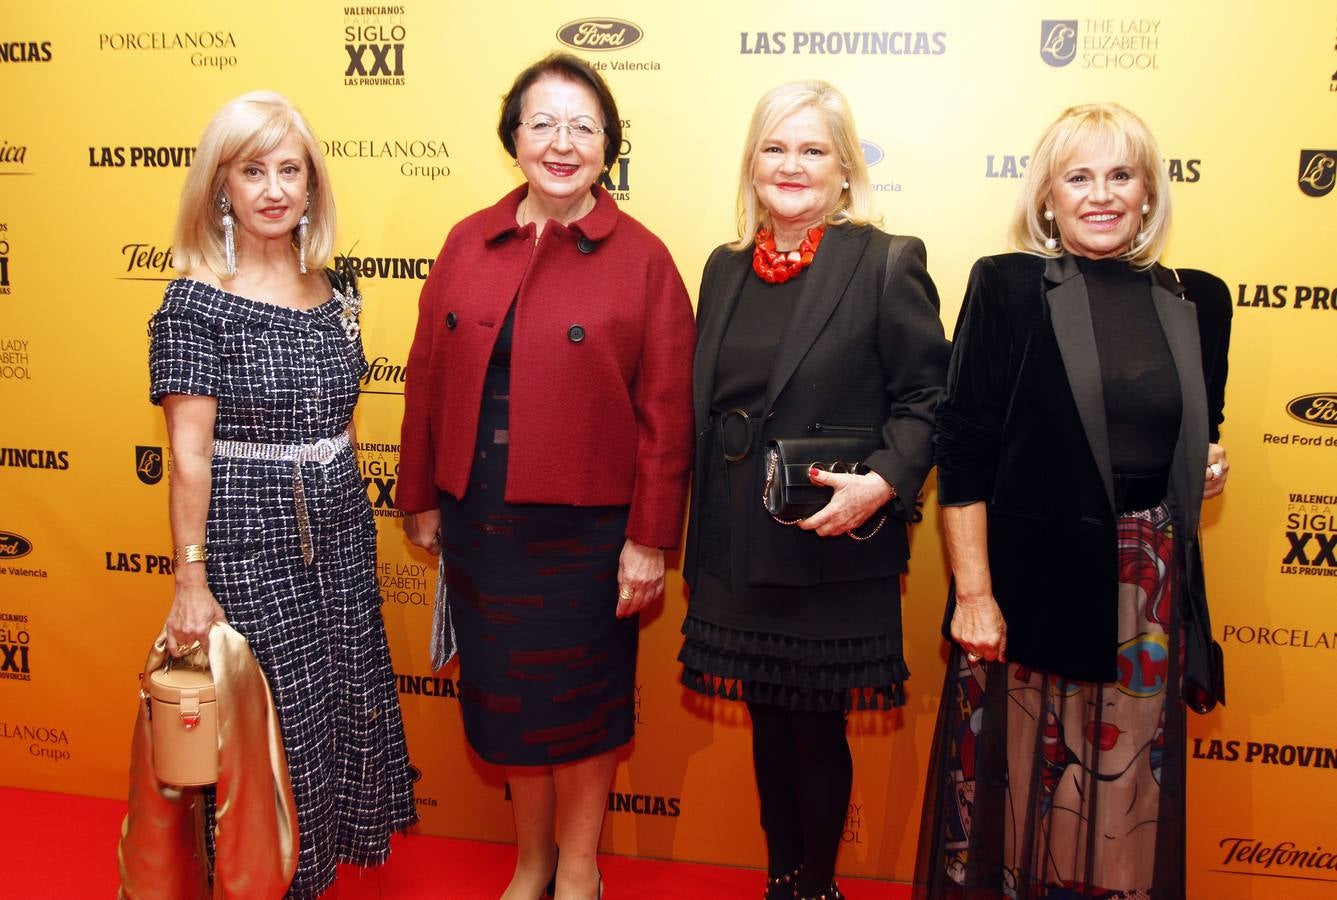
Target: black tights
<point>804,773</point>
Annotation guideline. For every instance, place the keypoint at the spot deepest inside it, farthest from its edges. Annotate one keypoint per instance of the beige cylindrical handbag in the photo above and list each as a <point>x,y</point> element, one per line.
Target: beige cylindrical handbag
<point>184,715</point>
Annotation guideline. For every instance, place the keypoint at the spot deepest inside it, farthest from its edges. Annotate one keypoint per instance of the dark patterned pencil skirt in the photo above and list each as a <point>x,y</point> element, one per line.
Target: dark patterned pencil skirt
<point>547,670</point>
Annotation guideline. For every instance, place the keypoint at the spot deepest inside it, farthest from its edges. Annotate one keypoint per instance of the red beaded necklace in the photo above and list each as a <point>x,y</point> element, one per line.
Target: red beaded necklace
<point>775,267</point>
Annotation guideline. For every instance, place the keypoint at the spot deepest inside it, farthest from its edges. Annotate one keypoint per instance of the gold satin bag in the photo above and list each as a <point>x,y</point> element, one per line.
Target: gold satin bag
<point>184,716</point>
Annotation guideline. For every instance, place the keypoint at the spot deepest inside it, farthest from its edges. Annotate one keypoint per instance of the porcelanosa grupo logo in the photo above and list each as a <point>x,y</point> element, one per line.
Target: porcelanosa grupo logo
<point>1318,172</point>
<point>413,157</point>
<point>1058,41</point>
<point>872,153</point>
<point>205,48</point>
<point>600,34</point>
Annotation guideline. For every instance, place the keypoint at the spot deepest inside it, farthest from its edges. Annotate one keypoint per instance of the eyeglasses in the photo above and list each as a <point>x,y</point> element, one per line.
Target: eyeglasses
<point>545,128</point>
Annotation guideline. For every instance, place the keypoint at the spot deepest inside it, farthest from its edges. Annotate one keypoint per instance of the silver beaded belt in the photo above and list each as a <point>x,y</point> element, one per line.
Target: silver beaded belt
<point>322,452</point>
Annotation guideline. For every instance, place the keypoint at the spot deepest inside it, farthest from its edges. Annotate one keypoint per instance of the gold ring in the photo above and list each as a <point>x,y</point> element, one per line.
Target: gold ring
<point>626,592</point>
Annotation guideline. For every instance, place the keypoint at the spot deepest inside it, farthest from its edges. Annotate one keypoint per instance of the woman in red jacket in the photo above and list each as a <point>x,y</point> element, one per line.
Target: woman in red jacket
<point>546,445</point>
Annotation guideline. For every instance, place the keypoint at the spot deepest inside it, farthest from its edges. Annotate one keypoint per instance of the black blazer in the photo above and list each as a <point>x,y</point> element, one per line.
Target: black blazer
<point>865,347</point>
<point>1023,429</point>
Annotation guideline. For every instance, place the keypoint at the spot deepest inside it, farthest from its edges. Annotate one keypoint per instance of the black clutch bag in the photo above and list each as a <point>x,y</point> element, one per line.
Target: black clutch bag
<point>789,496</point>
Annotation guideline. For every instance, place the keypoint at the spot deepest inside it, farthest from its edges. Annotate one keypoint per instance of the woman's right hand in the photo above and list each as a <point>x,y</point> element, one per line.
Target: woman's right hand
<point>424,529</point>
<point>193,610</point>
<point>978,626</point>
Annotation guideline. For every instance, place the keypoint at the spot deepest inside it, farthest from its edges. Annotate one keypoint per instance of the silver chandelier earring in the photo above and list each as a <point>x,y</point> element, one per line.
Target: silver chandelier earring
<point>229,239</point>
<point>1051,242</point>
<point>302,226</point>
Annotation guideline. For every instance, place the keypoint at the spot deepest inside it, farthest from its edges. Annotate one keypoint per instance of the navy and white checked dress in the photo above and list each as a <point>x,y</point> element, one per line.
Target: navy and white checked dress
<point>287,376</point>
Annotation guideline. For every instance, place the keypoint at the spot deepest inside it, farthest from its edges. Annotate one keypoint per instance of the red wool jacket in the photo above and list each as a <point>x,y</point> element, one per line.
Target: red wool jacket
<point>601,366</point>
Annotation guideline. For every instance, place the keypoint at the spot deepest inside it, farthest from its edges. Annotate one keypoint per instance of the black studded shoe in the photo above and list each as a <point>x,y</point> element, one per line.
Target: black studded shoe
<point>831,893</point>
<point>782,887</point>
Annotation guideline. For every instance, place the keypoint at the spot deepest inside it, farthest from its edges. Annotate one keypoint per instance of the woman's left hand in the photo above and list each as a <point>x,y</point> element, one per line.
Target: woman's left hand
<point>1218,467</point>
<point>640,578</point>
<point>856,498</point>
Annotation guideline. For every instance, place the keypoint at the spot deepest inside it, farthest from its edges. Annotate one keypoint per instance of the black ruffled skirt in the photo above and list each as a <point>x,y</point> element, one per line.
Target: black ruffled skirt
<point>796,673</point>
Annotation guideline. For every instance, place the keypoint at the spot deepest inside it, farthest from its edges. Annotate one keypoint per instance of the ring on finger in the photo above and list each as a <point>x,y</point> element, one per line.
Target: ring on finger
<point>626,592</point>
<point>972,656</point>
<point>1215,469</point>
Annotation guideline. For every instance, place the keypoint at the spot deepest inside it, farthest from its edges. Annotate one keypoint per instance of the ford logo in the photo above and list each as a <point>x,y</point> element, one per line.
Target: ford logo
<point>872,153</point>
<point>599,34</point>
<point>13,546</point>
<point>1315,409</point>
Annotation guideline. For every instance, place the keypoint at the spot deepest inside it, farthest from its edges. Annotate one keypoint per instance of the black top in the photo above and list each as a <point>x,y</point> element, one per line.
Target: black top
<point>722,595</point>
<point>1021,430</point>
<point>1141,387</point>
<point>746,354</point>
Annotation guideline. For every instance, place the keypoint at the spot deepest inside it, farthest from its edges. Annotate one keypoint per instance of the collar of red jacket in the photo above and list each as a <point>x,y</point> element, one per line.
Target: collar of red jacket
<point>597,224</point>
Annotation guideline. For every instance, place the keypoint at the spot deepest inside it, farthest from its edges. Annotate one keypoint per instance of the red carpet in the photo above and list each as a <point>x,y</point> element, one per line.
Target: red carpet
<point>58,847</point>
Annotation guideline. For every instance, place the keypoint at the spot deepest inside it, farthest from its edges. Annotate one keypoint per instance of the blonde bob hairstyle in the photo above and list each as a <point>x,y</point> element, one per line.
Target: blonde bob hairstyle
<point>856,202</point>
<point>1081,128</point>
<point>247,128</point>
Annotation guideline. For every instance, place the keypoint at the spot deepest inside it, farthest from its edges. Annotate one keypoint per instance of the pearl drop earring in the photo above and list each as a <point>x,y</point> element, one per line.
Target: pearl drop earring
<point>1051,242</point>
<point>1142,235</point>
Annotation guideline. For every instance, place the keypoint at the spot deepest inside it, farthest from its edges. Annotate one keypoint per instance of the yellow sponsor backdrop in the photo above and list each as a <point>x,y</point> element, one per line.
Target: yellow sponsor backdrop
<point>103,101</point>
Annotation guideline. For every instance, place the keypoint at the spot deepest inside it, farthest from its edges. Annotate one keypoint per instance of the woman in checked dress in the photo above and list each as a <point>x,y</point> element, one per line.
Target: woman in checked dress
<point>255,358</point>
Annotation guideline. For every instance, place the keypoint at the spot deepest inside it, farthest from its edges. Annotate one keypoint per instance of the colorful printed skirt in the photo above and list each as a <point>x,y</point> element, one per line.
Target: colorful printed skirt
<point>1045,787</point>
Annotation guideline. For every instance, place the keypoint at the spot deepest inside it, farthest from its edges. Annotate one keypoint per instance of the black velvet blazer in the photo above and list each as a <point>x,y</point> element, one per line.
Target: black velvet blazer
<point>1023,429</point>
<point>865,347</point>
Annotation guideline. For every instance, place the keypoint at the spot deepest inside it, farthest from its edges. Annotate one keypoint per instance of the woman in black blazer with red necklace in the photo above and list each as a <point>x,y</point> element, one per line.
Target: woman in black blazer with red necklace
<point>812,320</point>
<point>1074,449</point>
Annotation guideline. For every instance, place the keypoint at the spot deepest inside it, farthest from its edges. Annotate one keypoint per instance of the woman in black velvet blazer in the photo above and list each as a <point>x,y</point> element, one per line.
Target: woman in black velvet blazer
<point>1075,447</point>
<point>840,333</point>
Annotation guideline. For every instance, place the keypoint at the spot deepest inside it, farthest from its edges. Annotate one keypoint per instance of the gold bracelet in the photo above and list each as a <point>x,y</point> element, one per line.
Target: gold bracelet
<point>192,553</point>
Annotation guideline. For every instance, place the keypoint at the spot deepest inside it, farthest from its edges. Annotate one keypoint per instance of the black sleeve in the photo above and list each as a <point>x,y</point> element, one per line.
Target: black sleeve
<point>970,420</point>
<point>1211,297</point>
<point>914,357</point>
